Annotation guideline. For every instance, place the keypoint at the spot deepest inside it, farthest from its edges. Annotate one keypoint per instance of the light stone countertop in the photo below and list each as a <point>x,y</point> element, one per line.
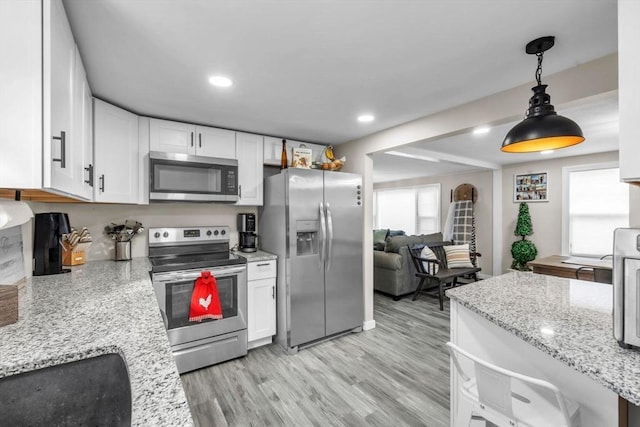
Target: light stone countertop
<point>256,256</point>
<point>100,307</point>
<point>571,320</point>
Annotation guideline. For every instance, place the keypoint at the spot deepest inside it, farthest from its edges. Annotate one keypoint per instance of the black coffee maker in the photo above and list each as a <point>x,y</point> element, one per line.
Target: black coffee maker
<point>247,230</point>
<point>47,243</point>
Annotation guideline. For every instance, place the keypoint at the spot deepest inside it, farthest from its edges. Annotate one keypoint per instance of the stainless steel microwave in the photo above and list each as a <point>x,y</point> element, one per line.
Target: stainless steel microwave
<point>182,177</point>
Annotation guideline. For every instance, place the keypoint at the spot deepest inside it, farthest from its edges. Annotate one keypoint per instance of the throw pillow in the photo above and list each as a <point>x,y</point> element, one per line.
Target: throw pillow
<point>379,237</point>
<point>427,253</point>
<point>458,256</point>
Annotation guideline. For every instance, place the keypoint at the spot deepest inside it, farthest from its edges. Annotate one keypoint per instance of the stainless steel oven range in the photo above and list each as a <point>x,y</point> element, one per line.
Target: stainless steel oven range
<point>178,256</point>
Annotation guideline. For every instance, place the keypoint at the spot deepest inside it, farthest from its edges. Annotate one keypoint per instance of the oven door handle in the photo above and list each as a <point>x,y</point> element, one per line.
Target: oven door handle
<point>216,272</point>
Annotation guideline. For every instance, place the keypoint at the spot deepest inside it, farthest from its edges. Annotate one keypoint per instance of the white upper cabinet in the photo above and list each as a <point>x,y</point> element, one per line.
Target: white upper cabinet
<point>214,142</point>
<point>629,89</point>
<point>249,154</point>
<point>172,137</point>
<point>116,154</point>
<point>21,94</point>
<point>273,150</point>
<point>82,132</point>
<point>176,137</point>
<point>59,56</point>
<point>46,122</point>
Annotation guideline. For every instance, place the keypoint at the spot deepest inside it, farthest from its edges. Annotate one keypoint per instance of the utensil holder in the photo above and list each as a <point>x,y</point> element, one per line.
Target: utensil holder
<point>123,251</point>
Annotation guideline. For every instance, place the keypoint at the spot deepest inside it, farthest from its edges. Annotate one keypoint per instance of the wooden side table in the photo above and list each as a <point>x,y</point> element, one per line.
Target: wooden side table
<point>564,266</point>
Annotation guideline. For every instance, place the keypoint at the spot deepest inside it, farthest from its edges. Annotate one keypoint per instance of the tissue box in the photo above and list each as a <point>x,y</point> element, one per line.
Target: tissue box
<point>8,304</point>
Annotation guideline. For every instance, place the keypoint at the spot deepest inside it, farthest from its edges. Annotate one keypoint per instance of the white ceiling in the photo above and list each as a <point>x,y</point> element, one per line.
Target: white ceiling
<point>305,70</point>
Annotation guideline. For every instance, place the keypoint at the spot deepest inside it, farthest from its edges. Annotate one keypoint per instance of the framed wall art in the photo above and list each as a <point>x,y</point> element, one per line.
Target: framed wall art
<point>531,187</point>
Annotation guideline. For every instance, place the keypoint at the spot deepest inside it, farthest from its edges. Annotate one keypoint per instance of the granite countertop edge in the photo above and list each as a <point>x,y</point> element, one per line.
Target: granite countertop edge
<point>99,308</point>
<point>631,394</point>
<point>256,256</point>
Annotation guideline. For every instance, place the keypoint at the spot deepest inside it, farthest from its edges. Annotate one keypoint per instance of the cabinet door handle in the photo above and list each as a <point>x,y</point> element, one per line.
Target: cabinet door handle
<point>200,140</point>
<point>273,292</point>
<point>102,183</point>
<point>90,180</point>
<point>192,139</point>
<point>262,264</point>
<point>63,142</point>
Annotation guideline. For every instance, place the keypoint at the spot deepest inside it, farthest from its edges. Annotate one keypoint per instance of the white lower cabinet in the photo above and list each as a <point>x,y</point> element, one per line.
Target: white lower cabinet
<point>261,302</point>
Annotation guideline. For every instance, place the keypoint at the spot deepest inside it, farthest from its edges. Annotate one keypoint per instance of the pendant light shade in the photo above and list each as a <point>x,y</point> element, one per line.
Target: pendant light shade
<point>542,128</point>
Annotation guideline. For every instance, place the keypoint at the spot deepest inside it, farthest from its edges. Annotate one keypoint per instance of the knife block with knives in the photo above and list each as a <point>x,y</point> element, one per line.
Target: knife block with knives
<point>74,246</point>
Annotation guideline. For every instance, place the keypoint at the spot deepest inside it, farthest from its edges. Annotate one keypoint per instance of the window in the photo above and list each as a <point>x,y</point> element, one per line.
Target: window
<point>415,210</point>
<point>595,203</point>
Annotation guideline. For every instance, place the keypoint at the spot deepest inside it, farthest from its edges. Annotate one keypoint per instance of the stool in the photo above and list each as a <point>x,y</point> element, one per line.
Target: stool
<point>509,399</point>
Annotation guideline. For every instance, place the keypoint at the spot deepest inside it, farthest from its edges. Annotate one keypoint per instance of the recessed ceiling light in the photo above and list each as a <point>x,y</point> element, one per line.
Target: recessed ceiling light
<point>365,118</point>
<point>546,331</point>
<point>220,81</point>
<point>546,152</point>
<point>481,130</point>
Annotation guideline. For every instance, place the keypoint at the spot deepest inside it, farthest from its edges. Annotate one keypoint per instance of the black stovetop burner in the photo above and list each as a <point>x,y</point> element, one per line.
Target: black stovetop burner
<point>194,261</point>
<point>188,248</point>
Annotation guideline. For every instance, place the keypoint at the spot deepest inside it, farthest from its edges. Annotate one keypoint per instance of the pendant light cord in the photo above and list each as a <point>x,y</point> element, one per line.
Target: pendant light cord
<point>539,69</point>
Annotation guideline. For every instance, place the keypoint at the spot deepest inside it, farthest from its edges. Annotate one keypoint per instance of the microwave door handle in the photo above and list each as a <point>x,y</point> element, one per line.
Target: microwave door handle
<point>192,139</point>
<point>329,237</point>
<point>323,234</point>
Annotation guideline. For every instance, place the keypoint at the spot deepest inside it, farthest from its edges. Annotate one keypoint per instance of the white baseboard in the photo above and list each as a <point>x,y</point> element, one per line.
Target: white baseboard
<point>369,324</point>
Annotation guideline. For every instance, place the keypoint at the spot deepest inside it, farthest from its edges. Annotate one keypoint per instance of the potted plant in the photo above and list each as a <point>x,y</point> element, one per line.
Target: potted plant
<point>523,250</point>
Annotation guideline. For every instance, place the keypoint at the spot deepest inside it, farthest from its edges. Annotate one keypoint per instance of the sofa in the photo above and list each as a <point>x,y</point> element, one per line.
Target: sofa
<point>393,270</point>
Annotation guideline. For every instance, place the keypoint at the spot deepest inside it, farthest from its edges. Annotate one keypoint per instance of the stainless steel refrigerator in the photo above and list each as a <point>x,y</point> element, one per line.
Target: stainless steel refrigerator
<point>312,220</point>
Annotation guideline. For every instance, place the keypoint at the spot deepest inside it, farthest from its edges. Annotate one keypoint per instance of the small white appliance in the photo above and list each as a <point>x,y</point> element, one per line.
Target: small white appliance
<point>626,286</point>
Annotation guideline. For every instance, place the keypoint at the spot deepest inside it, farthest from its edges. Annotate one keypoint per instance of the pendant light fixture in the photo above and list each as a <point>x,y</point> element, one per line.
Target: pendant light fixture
<point>542,128</point>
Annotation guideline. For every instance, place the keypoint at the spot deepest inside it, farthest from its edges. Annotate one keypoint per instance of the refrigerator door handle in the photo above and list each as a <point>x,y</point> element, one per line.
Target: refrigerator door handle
<point>323,234</point>
<point>329,236</point>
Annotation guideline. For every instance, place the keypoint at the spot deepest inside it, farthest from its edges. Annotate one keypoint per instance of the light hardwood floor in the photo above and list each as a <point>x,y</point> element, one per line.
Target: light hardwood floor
<point>396,374</point>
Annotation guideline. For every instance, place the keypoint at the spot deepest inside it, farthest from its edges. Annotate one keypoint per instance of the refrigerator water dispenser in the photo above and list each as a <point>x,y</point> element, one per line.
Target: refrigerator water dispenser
<point>306,237</point>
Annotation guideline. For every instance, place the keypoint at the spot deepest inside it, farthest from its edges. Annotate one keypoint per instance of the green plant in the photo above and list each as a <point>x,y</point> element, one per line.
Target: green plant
<point>523,250</point>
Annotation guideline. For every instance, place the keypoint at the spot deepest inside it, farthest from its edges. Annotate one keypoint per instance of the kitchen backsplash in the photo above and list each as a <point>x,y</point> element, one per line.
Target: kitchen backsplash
<point>96,216</point>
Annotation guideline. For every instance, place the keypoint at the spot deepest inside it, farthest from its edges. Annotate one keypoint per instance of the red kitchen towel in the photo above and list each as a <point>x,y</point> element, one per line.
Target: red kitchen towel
<point>205,303</point>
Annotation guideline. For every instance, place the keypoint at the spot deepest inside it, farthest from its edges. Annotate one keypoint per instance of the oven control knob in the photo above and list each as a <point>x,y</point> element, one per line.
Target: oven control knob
<point>223,232</point>
<point>208,232</point>
<point>215,233</point>
<point>156,235</point>
<point>165,234</point>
